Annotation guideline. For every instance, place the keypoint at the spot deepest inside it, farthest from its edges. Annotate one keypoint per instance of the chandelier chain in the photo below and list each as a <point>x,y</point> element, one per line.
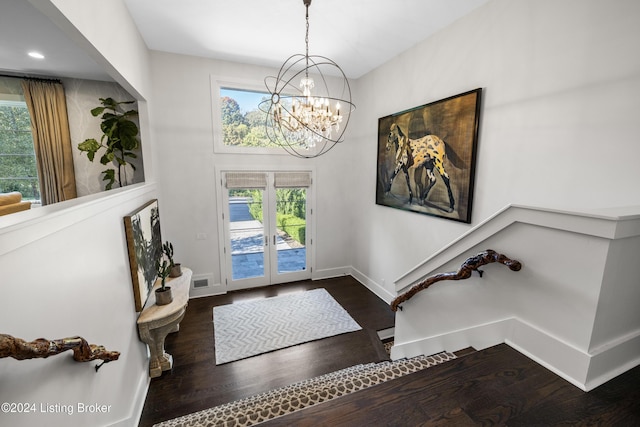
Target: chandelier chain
<point>306,39</point>
<point>310,119</point>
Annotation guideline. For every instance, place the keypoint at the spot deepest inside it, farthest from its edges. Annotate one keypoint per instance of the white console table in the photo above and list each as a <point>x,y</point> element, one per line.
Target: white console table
<point>157,321</point>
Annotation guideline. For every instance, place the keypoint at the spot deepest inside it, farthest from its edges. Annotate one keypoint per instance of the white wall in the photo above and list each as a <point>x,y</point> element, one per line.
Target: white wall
<point>82,96</point>
<point>183,122</point>
<point>115,44</point>
<point>558,122</point>
<point>67,274</point>
<point>65,267</point>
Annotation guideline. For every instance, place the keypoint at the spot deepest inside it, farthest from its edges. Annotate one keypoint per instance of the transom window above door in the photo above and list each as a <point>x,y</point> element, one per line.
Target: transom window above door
<point>239,125</point>
<point>243,123</point>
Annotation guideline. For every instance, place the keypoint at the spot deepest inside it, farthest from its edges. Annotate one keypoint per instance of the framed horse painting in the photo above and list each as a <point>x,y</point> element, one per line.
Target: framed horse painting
<point>427,155</point>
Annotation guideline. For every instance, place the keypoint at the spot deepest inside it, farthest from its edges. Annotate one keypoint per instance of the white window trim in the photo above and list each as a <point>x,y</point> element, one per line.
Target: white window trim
<point>219,147</point>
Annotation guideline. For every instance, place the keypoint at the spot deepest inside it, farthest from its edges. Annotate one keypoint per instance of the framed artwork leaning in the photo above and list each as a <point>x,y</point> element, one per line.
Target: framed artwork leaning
<point>144,244</point>
<point>427,156</point>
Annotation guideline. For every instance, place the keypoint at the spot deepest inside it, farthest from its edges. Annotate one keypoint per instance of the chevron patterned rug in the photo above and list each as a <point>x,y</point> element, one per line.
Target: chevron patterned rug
<point>249,328</point>
<point>286,400</point>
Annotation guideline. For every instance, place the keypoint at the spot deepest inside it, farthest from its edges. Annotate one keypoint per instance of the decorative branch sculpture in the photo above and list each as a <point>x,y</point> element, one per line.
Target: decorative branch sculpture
<point>469,266</point>
<point>41,348</point>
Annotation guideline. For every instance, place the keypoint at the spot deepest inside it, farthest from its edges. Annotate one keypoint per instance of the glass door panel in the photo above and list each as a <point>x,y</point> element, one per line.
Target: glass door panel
<point>291,213</point>
<point>247,234</point>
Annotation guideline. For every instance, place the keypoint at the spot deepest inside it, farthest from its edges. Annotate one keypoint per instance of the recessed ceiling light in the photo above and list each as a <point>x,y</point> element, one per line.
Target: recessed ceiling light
<point>36,55</point>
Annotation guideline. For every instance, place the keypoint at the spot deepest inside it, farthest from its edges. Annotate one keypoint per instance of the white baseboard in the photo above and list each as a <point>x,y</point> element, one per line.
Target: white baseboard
<point>560,357</point>
<point>582,369</point>
<point>209,291</point>
<point>564,360</point>
<point>370,284</point>
<point>330,273</point>
<point>612,359</point>
<point>205,291</point>
<point>138,405</point>
<point>478,337</point>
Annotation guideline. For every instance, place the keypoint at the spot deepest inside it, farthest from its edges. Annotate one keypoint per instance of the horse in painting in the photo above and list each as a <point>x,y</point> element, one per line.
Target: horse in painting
<point>427,152</point>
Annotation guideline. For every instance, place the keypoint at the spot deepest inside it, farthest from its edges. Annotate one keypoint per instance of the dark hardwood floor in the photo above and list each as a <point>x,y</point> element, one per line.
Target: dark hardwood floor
<point>496,386</point>
<point>196,383</point>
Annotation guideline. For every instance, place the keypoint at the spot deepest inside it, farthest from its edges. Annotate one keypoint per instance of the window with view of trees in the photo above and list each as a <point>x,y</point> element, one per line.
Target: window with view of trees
<point>243,123</point>
<point>18,170</point>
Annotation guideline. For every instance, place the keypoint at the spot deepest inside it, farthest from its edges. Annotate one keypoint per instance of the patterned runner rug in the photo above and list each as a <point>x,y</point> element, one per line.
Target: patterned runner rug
<point>279,402</point>
<point>249,328</point>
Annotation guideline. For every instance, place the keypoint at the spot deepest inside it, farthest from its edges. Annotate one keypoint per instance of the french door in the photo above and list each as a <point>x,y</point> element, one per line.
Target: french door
<point>266,220</point>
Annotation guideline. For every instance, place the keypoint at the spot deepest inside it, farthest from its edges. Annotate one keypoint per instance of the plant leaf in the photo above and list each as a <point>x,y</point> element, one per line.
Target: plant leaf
<point>90,146</point>
<point>130,113</point>
<point>109,175</point>
<point>109,103</point>
<point>107,158</point>
<point>127,131</point>
<point>97,111</point>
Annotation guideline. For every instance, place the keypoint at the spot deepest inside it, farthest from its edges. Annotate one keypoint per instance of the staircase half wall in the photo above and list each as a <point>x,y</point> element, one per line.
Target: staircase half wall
<point>574,307</point>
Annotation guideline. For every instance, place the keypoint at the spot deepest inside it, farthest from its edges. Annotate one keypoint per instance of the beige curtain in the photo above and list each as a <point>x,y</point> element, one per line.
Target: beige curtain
<point>51,139</point>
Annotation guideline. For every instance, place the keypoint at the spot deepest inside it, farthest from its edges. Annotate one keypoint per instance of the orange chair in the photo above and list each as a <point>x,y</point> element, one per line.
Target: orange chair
<point>12,202</point>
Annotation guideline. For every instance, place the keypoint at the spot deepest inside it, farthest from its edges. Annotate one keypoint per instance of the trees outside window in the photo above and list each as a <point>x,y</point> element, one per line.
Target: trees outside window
<point>243,124</point>
<point>18,170</point>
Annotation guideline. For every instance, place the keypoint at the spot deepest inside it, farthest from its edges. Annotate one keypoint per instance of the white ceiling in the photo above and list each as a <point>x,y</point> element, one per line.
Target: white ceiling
<point>23,28</point>
<point>359,35</point>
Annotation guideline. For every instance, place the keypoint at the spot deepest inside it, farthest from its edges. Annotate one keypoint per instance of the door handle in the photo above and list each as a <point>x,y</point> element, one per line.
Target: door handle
<point>274,240</point>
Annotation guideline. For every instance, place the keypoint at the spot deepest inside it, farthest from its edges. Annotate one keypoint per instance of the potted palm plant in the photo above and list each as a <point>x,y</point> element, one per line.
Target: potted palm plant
<point>163,293</point>
<point>175,267</point>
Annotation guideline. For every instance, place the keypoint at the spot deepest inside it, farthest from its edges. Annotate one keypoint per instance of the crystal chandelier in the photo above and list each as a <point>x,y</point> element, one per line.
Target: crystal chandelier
<point>307,119</point>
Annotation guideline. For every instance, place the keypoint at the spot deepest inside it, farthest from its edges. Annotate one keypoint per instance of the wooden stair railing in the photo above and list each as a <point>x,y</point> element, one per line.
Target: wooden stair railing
<point>20,349</point>
<point>464,272</point>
